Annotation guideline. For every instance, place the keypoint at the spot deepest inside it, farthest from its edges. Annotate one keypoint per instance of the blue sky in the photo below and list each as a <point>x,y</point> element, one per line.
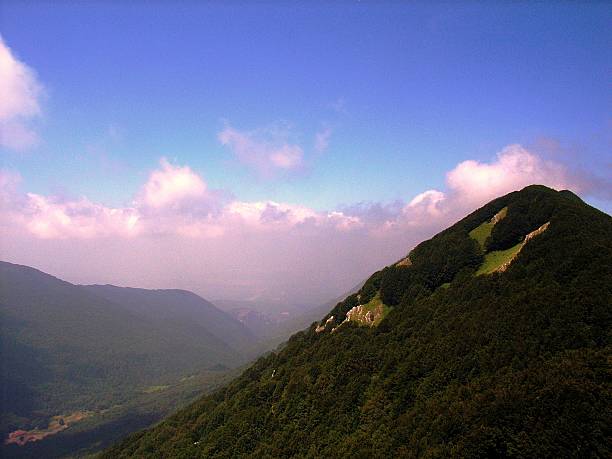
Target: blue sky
<point>399,93</point>
<point>419,88</point>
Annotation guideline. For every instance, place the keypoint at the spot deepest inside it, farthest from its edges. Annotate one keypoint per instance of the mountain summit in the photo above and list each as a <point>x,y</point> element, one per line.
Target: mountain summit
<point>492,339</point>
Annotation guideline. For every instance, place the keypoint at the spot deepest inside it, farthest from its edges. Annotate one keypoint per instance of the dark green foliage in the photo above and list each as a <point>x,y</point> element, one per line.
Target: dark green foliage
<point>526,212</point>
<point>371,287</point>
<point>67,348</point>
<point>513,364</point>
<point>103,429</point>
<point>434,263</point>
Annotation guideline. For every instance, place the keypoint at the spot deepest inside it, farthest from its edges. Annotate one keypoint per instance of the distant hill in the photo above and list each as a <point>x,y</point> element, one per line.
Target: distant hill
<point>181,307</point>
<point>492,339</point>
<point>67,348</point>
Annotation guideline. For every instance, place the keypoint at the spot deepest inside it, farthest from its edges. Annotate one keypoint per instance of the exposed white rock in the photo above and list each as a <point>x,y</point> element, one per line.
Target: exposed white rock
<point>499,215</point>
<point>537,232</point>
<point>504,266</point>
<point>321,328</point>
<point>404,262</point>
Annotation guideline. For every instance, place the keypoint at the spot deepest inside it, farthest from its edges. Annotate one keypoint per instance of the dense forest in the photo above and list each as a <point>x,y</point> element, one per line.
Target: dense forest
<point>495,343</point>
<point>103,360</point>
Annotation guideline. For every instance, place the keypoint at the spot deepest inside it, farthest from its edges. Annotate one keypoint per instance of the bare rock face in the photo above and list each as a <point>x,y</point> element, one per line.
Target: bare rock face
<point>537,232</point>
<point>321,328</point>
<point>499,215</point>
<point>404,262</point>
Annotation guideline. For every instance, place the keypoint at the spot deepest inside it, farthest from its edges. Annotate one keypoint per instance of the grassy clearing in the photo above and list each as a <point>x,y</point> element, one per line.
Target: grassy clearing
<point>481,233</point>
<point>493,260</point>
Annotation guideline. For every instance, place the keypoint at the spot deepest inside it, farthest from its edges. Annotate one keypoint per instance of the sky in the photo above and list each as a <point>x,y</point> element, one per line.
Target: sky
<point>284,150</point>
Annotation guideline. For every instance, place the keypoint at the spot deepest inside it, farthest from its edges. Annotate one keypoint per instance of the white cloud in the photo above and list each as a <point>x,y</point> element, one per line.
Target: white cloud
<point>176,200</point>
<point>265,150</point>
<point>427,201</point>
<point>514,168</point>
<point>48,218</point>
<point>178,229</point>
<point>20,94</point>
<point>170,185</point>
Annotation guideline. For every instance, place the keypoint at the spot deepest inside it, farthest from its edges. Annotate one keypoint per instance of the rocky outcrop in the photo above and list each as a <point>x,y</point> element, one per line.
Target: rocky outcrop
<point>404,262</point>
<point>321,328</point>
<point>499,215</point>
<point>537,232</point>
<point>504,266</point>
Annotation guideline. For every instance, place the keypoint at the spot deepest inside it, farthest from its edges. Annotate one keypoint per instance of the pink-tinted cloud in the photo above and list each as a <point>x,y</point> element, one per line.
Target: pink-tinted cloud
<point>265,150</point>
<point>48,218</point>
<point>171,185</point>
<point>20,93</point>
<point>514,168</point>
<point>180,233</point>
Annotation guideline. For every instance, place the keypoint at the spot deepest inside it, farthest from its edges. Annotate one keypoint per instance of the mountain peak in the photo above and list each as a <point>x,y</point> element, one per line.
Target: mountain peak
<point>467,362</point>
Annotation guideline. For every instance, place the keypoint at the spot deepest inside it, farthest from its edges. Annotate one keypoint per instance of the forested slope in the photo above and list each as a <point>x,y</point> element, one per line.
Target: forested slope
<point>512,363</point>
<point>71,349</point>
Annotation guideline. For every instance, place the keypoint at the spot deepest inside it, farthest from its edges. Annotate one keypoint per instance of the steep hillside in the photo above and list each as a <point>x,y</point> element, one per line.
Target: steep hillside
<point>180,308</point>
<point>75,351</point>
<point>508,361</point>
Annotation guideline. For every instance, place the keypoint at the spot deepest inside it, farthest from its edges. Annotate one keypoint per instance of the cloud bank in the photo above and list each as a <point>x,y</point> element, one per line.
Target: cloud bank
<point>177,232</point>
<point>20,94</point>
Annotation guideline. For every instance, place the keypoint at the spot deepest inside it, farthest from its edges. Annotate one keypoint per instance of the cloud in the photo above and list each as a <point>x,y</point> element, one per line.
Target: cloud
<point>265,150</point>
<point>48,218</point>
<point>427,201</point>
<point>20,94</point>
<point>180,233</point>
<point>322,140</point>
<point>176,200</point>
<point>514,168</point>
<point>171,185</point>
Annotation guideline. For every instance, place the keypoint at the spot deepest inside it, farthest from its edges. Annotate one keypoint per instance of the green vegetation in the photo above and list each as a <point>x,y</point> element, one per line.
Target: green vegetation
<point>494,260</point>
<point>68,348</point>
<point>100,429</point>
<point>513,364</point>
<point>481,233</point>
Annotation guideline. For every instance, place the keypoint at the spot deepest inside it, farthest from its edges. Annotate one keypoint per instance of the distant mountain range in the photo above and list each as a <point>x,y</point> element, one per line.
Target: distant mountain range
<point>70,348</point>
<point>492,339</point>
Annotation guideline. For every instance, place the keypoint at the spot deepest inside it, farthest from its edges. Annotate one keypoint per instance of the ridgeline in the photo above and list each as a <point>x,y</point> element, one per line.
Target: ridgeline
<point>494,342</point>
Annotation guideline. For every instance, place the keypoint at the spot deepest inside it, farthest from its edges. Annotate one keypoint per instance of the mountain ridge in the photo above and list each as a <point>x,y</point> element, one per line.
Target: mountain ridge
<point>68,348</point>
<point>505,364</point>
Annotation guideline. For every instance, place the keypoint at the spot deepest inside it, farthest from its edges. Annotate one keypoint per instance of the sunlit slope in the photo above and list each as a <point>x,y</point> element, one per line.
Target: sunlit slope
<point>513,363</point>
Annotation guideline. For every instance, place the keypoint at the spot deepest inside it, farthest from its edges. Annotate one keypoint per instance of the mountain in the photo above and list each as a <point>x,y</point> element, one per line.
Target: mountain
<point>492,339</point>
<point>182,307</point>
<point>257,322</point>
<point>70,350</point>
